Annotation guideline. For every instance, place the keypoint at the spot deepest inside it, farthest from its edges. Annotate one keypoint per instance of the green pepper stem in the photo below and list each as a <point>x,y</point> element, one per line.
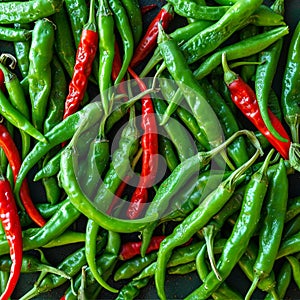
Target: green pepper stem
<point>252,288</point>
<point>229,75</point>
<point>91,23</point>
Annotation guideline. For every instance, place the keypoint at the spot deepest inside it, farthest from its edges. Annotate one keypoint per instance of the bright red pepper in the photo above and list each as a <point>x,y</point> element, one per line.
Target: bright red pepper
<point>245,99</point>
<point>149,41</point>
<point>149,142</point>
<point>10,149</point>
<point>131,249</point>
<point>13,231</point>
<point>85,56</point>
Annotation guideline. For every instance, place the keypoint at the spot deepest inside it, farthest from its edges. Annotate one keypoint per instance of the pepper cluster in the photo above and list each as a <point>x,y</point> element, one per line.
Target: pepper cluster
<point>189,85</point>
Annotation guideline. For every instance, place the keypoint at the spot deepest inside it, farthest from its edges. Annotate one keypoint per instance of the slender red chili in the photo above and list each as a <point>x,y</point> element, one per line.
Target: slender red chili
<point>149,40</point>
<point>131,249</point>
<point>147,8</point>
<point>85,55</point>
<point>245,99</point>
<point>149,143</point>
<point>10,149</point>
<point>13,231</point>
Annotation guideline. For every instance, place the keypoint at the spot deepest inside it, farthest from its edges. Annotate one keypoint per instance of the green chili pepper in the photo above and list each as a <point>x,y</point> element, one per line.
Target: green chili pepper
<point>290,99</point>
<point>166,149</point>
<point>291,227</point>
<point>26,12</point>
<point>63,43</point>
<point>176,132</point>
<point>289,246</point>
<point>106,52</point>
<point>270,233</point>
<point>124,28</point>
<point>22,51</point>
<point>293,208</point>
<point>134,266</point>
<point>295,264</point>
<point>18,120</point>
<point>78,16</point>
<point>14,34</point>
<point>191,89</point>
<point>92,229</point>
<point>57,96</point>
<point>60,133</point>
<point>242,232</point>
<point>249,46</point>
<point>135,18</point>
<point>18,100</point>
<point>198,11</point>
<point>39,73</point>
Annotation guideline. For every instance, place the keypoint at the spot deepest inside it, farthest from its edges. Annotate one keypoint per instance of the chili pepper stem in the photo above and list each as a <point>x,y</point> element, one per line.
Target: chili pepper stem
<point>91,23</point>
<point>294,156</point>
<point>209,233</point>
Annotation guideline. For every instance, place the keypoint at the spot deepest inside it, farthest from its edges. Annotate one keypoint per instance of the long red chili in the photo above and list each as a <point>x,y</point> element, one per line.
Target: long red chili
<point>13,231</point>
<point>149,40</point>
<point>131,249</point>
<point>149,143</point>
<point>85,55</point>
<point>245,99</point>
<point>10,149</point>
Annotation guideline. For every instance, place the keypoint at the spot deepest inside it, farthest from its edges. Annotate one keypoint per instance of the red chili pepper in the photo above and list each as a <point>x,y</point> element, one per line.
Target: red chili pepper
<point>2,80</point>
<point>14,159</point>
<point>149,142</point>
<point>147,8</point>
<point>131,249</point>
<point>13,231</point>
<point>149,41</point>
<point>85,55</point>
<point>245,99</point>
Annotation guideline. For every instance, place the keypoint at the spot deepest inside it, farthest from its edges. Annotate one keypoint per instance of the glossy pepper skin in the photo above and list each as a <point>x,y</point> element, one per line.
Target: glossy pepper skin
<point>85,55</point>
<point>149,40</point>
<point>12,154</point>
<point>245,99</point>
<point>149,142</point>
<point>12,227</point>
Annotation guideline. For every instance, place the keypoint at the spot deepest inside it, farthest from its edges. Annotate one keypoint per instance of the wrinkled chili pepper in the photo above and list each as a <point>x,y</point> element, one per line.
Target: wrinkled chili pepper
<point>13,156</point>
<point>85,55</point>
<point>12,227</point>
<point>245,99</point>
<point>149,142</point>
<point>131,249</point>
<point>149,40</point>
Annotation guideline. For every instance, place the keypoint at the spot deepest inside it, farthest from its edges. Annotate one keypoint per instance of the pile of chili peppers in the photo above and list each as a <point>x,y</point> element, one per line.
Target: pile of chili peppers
<point>142,142</point>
